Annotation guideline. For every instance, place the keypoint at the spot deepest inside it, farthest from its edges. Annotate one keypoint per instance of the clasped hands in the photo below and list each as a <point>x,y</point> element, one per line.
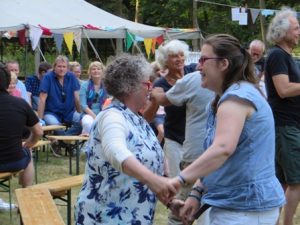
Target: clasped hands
<point>166,189</point>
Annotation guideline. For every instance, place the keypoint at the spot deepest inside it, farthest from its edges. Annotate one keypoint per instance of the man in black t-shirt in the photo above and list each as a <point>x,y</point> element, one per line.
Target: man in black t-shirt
<point>15,115</point>
<point>282,77</point>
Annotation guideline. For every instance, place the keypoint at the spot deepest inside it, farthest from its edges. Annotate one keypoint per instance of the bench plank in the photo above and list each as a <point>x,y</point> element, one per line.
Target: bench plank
<point>37,207</point>
<point>60,185</point>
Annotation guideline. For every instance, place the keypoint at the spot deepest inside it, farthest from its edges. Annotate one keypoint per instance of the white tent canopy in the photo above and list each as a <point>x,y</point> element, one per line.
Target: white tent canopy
<point>61,16</point>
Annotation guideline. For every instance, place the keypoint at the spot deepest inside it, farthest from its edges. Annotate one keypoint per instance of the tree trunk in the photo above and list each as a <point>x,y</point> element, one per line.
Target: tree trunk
<point>137,11</point>
<point>195,42</point>
<point>262,22</point>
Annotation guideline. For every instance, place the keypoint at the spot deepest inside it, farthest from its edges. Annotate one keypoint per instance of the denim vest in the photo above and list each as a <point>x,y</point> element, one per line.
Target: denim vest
<point>246,181</point>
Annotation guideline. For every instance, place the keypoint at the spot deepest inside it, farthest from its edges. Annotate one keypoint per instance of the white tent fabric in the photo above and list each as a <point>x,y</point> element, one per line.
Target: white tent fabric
<point>61,16</point>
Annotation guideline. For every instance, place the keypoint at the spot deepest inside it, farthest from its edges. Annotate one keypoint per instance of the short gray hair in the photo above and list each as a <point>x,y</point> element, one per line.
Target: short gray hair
<point>258,43</point>
<point>171,47</point>
<point>280,25</point>
<point>125,73</point>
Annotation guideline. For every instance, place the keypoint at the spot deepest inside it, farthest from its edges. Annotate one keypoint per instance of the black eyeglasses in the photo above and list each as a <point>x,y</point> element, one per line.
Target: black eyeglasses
<point>63,96</point>
<point>96,98</point>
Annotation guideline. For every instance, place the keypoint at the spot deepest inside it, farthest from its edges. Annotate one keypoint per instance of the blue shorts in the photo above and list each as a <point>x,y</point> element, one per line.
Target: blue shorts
<point>18,165</point>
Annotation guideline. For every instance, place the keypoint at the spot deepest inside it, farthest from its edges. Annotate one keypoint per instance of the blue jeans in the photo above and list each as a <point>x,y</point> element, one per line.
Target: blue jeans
<point>74,129</point>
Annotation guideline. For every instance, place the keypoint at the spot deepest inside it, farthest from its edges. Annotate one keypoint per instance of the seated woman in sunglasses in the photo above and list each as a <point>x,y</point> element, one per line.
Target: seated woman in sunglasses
<point>92,96</point>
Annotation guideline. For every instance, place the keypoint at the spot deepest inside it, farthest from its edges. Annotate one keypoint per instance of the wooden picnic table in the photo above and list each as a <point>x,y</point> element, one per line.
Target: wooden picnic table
<point>72,142</point>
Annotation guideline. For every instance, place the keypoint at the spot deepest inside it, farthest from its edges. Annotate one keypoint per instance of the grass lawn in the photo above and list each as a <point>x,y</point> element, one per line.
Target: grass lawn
<point>57,168</point>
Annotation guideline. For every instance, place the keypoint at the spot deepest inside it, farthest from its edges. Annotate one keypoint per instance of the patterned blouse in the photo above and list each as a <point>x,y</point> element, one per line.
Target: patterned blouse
<point>109,196</point>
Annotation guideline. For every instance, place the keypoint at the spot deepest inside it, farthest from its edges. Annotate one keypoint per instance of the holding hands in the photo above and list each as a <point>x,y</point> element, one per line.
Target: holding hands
<point>185,210</point>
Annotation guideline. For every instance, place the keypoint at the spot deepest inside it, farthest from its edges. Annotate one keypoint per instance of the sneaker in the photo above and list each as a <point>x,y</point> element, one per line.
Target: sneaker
<point>4,206</point>
<point>55,148</point>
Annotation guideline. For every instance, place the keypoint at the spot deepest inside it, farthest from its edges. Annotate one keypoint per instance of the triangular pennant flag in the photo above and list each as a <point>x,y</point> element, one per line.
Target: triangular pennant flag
<point>160,39</point>
<point>46,31</point>
<point>22,38</point>
<point>138,38</point>
<point>91,27</point>
<point>9,34</point>
<point>153,45</point>
<point>129,40</point>
<point>267,12</point>
<point>77,39</point>
<point>58,38</point>
<point>35,33</point>
<point>254,14</point>
<point>148,45</point>
<point>69,38</point>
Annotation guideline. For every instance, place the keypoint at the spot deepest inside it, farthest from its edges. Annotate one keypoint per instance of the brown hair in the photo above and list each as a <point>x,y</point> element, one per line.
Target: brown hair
<point>241,67</point>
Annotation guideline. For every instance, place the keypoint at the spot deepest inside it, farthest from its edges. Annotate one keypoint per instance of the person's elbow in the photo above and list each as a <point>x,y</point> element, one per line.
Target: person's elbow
<point>226,149</point>
<point>37,130</point>
<point>283,93</point>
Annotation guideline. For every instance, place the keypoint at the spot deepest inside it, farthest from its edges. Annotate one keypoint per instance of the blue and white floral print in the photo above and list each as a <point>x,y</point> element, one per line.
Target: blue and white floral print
<point>109,196</point>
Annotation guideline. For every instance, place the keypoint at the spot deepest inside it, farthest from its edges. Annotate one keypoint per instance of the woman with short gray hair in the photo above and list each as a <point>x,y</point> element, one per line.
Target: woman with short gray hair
<point>124,158</point>
<point>126,75</point>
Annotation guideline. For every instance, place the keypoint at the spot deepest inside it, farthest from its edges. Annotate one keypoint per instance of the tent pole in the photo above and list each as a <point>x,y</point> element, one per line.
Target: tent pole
<point>1,49</point>
<point>25,57</point>
<point>37,58</point>
<point>119,45</point>
<point>93,47</point>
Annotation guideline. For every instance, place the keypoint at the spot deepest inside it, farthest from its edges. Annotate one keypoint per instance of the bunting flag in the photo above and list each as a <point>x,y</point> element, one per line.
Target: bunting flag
<point>9,34</point>
<point>153,45</point>
<point>77,39</point>
<point>148,45</point>
<point>58,38</point>
<point>69,38</point>
<point>46,31</point>
<point>243,18</point>
<point>235,14</point>
<point>35,34</point>
<point>267,12</point>
<point>254,14</point>
<point>138,38</point>
<point>160,39</point>
<point>129,40</point>
<point>22,38</point>
<point>91,27</point>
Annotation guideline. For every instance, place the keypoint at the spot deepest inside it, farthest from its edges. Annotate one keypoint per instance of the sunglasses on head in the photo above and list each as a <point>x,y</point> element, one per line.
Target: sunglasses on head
<point>96,98</point>
<point>63,96</point>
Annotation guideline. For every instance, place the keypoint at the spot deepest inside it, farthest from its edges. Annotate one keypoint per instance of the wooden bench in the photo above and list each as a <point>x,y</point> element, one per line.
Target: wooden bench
<point>37,207</point>
<point>61,188</point>
<point>5,185</point>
